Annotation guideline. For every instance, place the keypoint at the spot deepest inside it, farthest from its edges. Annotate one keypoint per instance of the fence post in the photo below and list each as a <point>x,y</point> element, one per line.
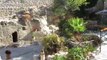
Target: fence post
<point>8,54</point>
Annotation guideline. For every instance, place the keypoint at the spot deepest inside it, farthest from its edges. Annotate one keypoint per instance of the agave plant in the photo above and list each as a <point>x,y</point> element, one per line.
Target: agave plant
<point>77,25</point>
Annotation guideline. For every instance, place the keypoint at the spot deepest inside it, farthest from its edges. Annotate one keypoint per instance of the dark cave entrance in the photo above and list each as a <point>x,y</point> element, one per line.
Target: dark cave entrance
<point>14,36</point>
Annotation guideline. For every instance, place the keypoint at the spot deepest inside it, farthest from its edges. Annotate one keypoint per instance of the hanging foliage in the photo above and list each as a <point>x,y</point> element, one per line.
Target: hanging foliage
<point>62,7</point>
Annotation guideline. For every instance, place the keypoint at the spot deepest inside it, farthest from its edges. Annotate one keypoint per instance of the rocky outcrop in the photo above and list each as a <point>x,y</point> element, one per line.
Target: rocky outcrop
<point>10,7</point>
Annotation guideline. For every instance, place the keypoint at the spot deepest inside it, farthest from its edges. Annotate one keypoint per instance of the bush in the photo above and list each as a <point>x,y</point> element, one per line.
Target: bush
<point>75,53</point>
<point>71,27</point>
<point>96,40</point>
<point>75,4</point>
<point>77,24</point>
<point>64,29</point>
<point>59,58</point>
<point>63,7</point>
<point>79,53</point>
<point>52,43</point>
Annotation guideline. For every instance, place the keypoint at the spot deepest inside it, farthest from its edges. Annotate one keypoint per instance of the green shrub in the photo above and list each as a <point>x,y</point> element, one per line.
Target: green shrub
<point>75,53</point>
<point>59,58</point>
<point>52,43</point>
<point>72,26</point>
<point>62,7</point>
<point>80,53</point>
<point>96,41</point>
<point>64,29</point>
<point>77,24</point>
<point>75,4</point>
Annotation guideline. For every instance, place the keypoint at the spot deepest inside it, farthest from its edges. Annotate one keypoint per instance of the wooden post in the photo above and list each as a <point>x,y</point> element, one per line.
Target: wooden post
<point>8,54</point>
<point>42,55</point>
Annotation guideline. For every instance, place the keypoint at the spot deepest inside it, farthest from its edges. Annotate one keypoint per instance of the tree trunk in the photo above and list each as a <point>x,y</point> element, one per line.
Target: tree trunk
<point>78,36</point>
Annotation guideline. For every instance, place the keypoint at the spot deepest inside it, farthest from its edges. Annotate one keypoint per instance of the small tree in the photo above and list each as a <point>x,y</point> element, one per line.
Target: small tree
<point>74,4</point>
<point>76,26</point>
<point>52,43</point>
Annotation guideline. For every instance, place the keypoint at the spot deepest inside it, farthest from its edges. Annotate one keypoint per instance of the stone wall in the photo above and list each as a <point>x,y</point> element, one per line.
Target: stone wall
<point>7,28</point>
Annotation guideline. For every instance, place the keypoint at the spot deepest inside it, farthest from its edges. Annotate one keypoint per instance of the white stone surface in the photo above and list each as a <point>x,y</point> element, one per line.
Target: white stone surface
<point>44,25</point>
<point>103,54</point>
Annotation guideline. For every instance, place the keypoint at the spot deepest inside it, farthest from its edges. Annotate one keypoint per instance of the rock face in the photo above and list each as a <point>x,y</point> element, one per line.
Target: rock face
<point>9,7</point>
<point>25,25</point>
<point>27,21</point>
<point>23,31</point>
